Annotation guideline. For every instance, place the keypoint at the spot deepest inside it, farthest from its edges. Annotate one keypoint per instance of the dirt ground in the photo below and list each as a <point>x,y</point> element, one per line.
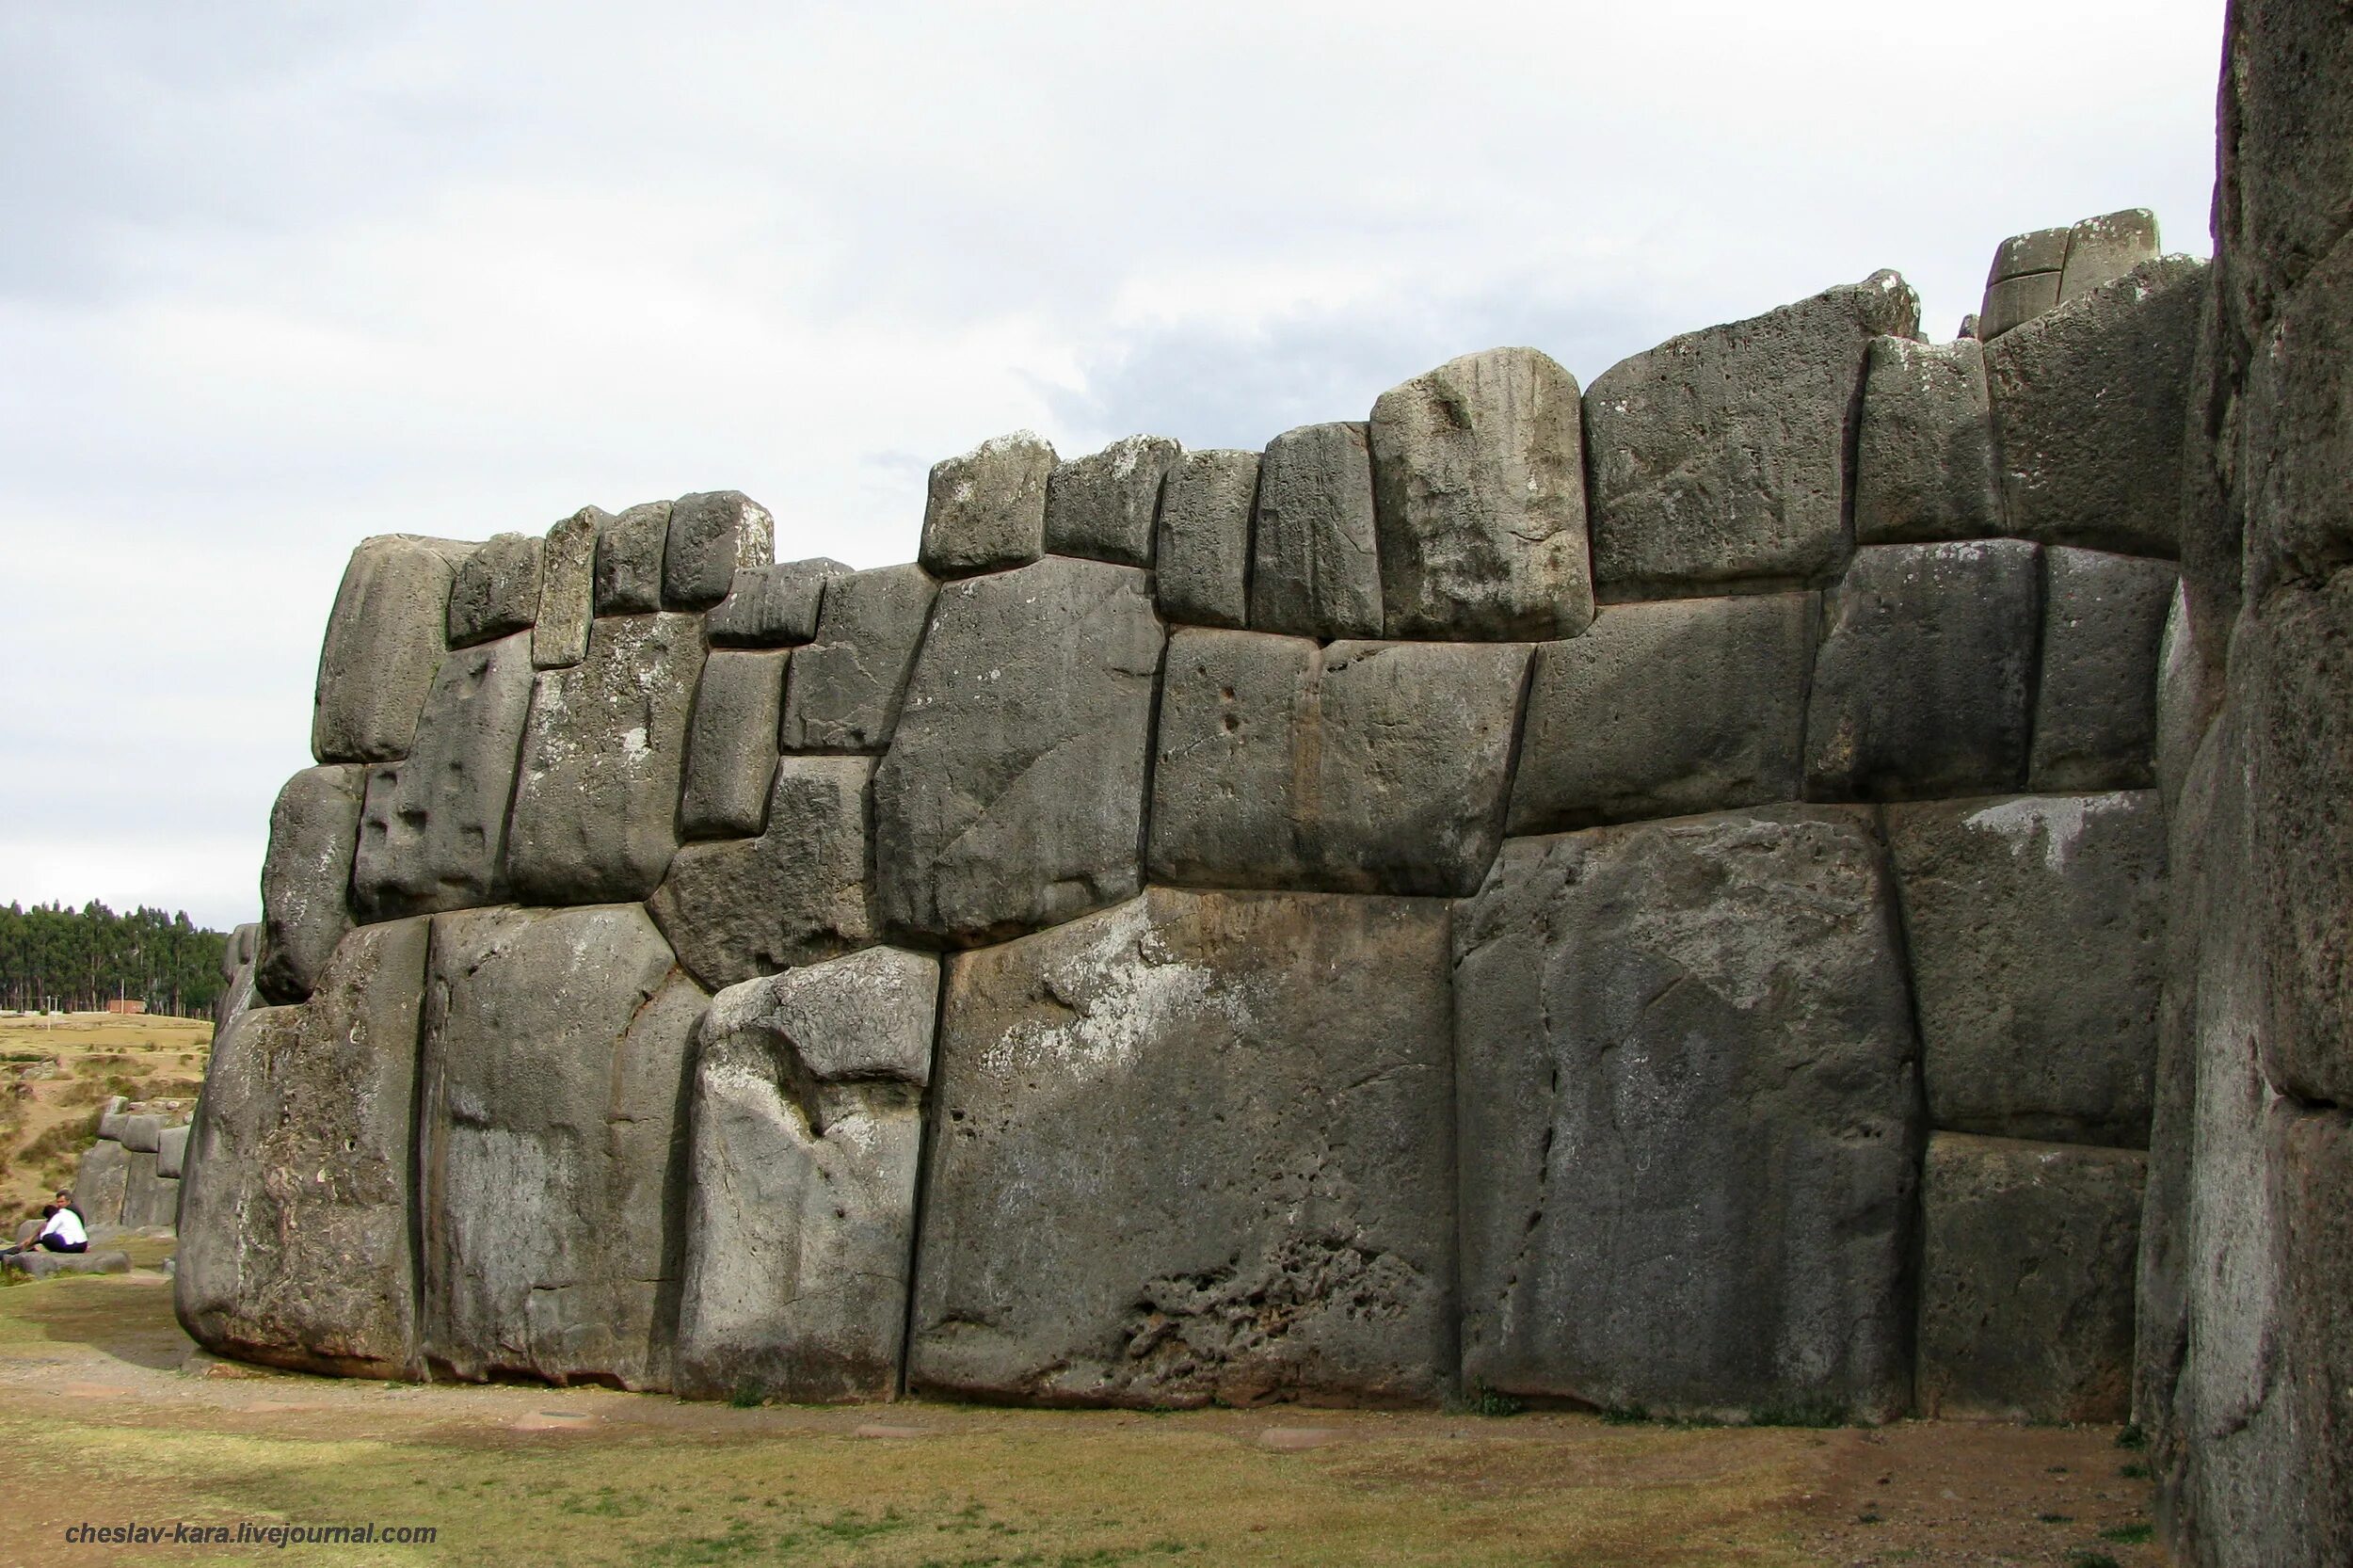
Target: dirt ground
<point>108,1417</point>
<point>56,1071</point>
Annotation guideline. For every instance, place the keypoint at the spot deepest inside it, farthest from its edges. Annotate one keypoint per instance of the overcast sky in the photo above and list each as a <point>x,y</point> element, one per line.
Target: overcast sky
<point>280,276</point>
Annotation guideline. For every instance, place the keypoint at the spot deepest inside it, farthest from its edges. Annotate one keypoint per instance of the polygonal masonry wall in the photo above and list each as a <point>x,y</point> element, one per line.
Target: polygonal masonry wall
<point>1512,892</point>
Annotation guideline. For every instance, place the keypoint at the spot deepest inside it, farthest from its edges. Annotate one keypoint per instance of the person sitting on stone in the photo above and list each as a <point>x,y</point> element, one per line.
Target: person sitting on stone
<point>61,1228</point>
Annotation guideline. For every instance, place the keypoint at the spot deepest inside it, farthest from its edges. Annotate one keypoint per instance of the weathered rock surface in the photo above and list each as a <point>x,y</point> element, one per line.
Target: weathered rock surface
<point>1277,1150</point>
<point>2037,926</point>
<point>1685,1058</point>
<point>2095,719</point>
<point>713,535</point>
<point>2102,250</point>
<point>796,894</point>
<point>1013,795</point>
<point>433,828</point>
<point>1316,567</point>
<point>2313,1152</point>
<point>2039,250</point>
<point>1924,455</point>
<point>1666,709</point>
<point>800,1222</point>
<point>496,590</point>
<point>306,876</point>
<point>1361,767</point>
<point>48,1265</point>
<point>2014,301</point>
<point>567,589</point>
<point>296,1242</point>
<point>99,1180</point>
<point>773,606</point>
<point>1479,474</point>
<point>553,1149</point>
<point>2027,1279</point>
<point>1104,505</point>
<point>846,687</point>
<point>731,743</point>
<point>629,559</point>
<point>2299,528</point>
<point>171,1152</point>
<point>147,1200</point>
<point>986,511</point>
<point>1202,561</point>
<point>596,799</point>
<point>139,1133</point>
<point>1920,685</point>
<point>1721,455</point>
<point>2090,404</point>
<point>384,641</point>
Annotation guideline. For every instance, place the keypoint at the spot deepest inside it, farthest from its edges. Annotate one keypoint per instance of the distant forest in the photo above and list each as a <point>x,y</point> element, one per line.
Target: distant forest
<point>79,960</point>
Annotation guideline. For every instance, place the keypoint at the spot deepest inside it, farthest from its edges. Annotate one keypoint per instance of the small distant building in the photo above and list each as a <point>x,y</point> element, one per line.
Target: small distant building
<point>128,1004</point>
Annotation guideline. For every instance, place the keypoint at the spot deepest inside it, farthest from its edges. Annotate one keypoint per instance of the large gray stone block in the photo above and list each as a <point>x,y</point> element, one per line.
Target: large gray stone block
<point>2090,403</point>
<point>796,894</point>
<point>1182,1155</point>
<point>551,1148</point>
<point>171,1152</point>
<point>148,1201</point>
<point>773,606</point>
<point>306,876</point>
<point>1104,505</point>
<point>2311,1152</point>
<point>296,1242</point>
<point>1202,564</point>
<point>985,510</point>
<point>1013,795</point>
<point>2037,926</point>
<point>496,591</point>
<point>567,589</point>
<point>844,689</point>
<point>1361,767</point>
<point>1924,454</point>
<point>629,559</point>
<point>731,743</point>
<point>2102,250</point>
<point>2027,1279</point>
<point>2014,301</point>
<point>433,827</point>
<point>1721,455</point>
<point>1316,568</point>
<point>800,1219</point>
<point>139,1132</point>
<point>1684,1061</point>
<point>49,1265</point>
<point>2298,526</point>
<point>384,640</point>
<point>2039,250</point>
<point>2095,716</point>
<point>1921,681</point>
<point>1666,709</point>
<point>596,797</point>
<point>713,535</point>
<point>98,1179</point>
<point>1478,473</point>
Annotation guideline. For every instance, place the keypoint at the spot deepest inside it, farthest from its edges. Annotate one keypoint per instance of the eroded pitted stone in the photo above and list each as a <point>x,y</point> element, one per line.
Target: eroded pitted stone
<point>2299,528</point>
<point>496,590</point>
<point>384,640</point>
<point>1479,470</point>
<point>551,1153</point>
<point>567,589</point>
<point>796,894</point>
<point>773,606</point>
<point>2090,403</point>
<point>1920,685</point>
<point>985,510</point>
<point>731,743</point>
<point>1104,505</point>
<point>1277,1149</point>
<point>295,1230</point>
<point>2027,1279</point>
<point>800,1220</point>
<point>1361,767</point>
<point>1665,709</point>
<point>2035,924</point>
<point>2102,250</point>
<point>713,535</point>
<point>1685,1062</point>
<point>306,877</point>
<point>433,828</point>
<point>596,799</point>
<point>629,559</point>
<point>1202,564</point>
<point>1721,455</point>
<point>1315,569</point>
<point>846,687</point>
<point>2095,715</point>
<point>1013,795</point>
<point>1923,456</point>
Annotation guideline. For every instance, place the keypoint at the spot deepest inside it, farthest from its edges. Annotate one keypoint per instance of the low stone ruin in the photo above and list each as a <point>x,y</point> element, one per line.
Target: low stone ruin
<point>129,1177</point>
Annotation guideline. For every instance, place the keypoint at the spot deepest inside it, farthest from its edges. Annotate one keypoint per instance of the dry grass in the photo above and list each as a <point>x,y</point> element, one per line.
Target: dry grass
<point>102,1055</point>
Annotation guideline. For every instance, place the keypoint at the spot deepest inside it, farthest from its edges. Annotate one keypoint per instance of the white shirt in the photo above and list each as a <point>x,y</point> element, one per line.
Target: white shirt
<point>66,1226</point>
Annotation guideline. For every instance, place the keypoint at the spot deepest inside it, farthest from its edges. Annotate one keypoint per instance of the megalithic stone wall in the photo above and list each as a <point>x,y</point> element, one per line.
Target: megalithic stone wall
<point>1642,897</point>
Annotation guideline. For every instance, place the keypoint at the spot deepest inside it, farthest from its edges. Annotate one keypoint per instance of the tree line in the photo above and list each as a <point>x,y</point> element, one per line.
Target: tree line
<point>79,960</point>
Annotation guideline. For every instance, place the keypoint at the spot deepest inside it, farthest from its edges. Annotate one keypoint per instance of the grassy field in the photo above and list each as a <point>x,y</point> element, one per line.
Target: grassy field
<point>56,1072</point>
<point>107,1417</point>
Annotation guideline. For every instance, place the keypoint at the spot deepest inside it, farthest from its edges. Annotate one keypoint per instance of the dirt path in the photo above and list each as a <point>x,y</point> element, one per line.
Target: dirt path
<point>107,1417</point>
